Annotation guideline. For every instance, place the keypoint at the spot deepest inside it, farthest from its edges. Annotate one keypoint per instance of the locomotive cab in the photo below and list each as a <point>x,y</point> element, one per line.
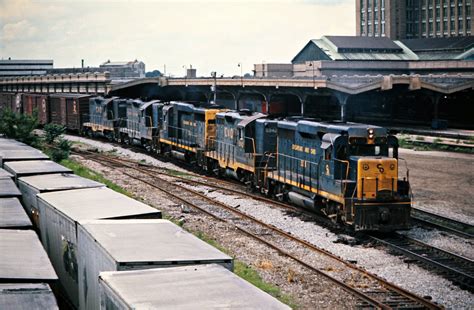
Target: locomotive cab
<point>379,200</point>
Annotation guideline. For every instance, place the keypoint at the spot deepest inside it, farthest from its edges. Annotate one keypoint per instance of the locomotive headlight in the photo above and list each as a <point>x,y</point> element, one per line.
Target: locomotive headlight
<point>371,133</point>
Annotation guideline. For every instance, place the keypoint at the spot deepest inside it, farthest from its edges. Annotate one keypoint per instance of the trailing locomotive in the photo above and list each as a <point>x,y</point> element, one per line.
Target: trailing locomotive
<point>348,171</point>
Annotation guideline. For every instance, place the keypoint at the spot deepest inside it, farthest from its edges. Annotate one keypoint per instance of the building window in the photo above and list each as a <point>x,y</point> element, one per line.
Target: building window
<point>383,29</point>
<point>370,17</point>
<point>382,4</point>
<point>376,4</point>
<point>376,28</point>
<point>452,25</point>
<point>362,3</point>
<point>437,13</point>
<point>451,12</point>
<point>445,25</point>
<point>383,14</point>
<point>430,13</point>
<point>438,27</point>
<point>362,29</point>
<point>468,11</point>
<point>460,25</point>
<point>430,28</point>
<point>423,27</point>
<point>468,26</point>
<point>423,14</point>
<point>376,17</point>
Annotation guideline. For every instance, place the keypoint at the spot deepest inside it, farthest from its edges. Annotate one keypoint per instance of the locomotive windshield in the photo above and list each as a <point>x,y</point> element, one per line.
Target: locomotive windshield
<point>368,150</point>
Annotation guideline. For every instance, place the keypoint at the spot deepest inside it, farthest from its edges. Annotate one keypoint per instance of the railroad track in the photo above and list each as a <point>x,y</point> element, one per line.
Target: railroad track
<point>457,269</point>
<point>443,223</point>
<point>371,290</point>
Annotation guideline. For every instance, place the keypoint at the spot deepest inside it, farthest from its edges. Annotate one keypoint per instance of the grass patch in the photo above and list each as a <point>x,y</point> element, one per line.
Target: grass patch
<point>249,274</point>
<point>87,173</point>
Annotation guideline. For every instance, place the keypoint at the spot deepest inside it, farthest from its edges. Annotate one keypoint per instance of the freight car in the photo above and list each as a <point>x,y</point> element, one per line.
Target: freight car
<point>70,110</point>
<point>11,101</point>
<point>37,103</point>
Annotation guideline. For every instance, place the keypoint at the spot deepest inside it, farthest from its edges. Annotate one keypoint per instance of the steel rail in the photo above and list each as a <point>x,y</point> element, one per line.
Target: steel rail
<point>457,269</point>
<point>459,228</point>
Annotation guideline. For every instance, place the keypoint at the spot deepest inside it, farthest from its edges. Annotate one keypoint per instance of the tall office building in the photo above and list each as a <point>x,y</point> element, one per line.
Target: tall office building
<point>409,19</point>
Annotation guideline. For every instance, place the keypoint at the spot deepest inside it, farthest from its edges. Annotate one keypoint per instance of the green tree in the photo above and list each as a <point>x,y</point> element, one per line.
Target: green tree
<point>19,126</point>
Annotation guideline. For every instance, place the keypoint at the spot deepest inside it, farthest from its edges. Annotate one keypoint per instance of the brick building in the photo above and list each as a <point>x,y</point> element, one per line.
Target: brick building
<point>407,19</point>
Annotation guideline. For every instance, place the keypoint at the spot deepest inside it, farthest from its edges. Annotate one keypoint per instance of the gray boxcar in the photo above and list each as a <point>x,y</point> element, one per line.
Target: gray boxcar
<point>23,259</point>
<point>5,174</point>
<point>34,167</point>
<point>27,296</point>
<point>190,287</point>
<point>8,188</point>
<point>60,214</point>
<point>19,155</point>
<point>109,245</point>
<point>33,185</point>
<point>12,214</point>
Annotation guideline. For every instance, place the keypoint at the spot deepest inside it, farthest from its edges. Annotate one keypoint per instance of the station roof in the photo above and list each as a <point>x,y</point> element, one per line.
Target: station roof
<point>353,48</point>
<point>457,48</point>
<point>440,44</point>
<point>363,43</point>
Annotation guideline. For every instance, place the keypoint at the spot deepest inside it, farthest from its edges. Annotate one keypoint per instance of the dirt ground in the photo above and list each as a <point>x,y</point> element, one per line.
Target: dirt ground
<point>442,182</point>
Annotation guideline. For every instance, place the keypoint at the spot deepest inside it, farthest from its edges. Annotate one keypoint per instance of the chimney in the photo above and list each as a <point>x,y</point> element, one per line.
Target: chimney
<point>82,63</point>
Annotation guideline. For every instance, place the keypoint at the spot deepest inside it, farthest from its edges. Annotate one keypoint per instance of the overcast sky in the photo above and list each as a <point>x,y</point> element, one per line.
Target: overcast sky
<point>209,35</point>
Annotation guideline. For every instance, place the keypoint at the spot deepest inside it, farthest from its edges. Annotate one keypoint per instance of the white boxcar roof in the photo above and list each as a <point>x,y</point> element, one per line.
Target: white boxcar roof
<point>95,203</point>
<point>58,181</point>
<point>11,155</point>
<point>12,214</point>
<point>5,174</point>
<point>8,188</point>
<point>158,241</point>
<point>31,167</point>
<point>190,287</point>
<point>27,296</point>
<point>22,257</point>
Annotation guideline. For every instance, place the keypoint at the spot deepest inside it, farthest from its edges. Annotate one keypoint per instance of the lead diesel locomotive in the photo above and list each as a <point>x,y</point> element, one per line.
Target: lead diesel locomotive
<point>348,171</point>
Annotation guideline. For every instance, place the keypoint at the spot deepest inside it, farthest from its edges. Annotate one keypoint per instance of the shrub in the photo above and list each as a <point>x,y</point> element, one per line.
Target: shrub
<point>53,131</point>
<point>62,150</point>
<point>19,126</point>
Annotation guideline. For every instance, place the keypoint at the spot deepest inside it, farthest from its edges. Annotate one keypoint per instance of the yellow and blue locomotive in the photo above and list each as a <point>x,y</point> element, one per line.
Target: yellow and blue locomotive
<point>348,171</point>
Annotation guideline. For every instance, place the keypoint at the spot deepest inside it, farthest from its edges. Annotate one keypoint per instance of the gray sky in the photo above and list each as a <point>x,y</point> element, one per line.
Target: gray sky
<point>209,35</point>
